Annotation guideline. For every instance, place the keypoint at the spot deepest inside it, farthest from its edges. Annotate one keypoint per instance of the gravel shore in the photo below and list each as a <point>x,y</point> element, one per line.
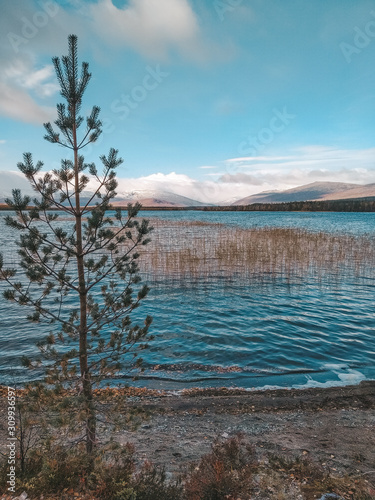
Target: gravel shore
<point>334,426</point>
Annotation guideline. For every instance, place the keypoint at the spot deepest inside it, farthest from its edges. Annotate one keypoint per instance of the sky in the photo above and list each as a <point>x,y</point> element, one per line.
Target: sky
<point>213,100</point>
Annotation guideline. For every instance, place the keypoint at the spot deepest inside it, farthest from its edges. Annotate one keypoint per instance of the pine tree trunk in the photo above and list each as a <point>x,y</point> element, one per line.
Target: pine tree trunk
<point>83,358</point>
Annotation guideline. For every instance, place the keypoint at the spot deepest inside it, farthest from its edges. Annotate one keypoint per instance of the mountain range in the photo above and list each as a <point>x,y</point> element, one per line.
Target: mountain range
<point>156,198</point>
<point>148,198</point>
<point>160,198</point>
<point>312,192</point>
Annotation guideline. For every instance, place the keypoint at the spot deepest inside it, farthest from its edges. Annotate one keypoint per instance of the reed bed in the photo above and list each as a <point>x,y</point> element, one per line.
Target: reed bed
<point>190,250</point>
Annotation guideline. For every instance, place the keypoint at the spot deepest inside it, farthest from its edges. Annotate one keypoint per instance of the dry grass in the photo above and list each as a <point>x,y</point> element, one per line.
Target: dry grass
<point>188,250</point>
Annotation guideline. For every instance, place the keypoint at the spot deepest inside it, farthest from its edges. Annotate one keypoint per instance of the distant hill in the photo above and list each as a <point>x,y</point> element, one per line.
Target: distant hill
<point>155,198</point>
<point>366,191</point>
<point>148,198</point>
<point>13,180</point>
<point>310,192</point>
<point>316,191</point>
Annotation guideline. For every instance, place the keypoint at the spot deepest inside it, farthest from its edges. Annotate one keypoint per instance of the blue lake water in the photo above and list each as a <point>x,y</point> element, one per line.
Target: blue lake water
<point>276,332</point>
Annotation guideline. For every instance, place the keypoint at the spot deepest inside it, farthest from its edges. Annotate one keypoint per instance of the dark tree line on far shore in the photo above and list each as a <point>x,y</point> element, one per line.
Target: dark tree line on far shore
<point>354,205</point>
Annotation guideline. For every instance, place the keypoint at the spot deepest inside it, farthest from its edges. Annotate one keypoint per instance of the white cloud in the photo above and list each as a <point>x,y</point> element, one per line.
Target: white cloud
<point>18,105</point>
<point>24,82</point>
<point>19,80</point>
<point>307,157</point>
<point>206,191</point>
<point>248,159</point>
<point>24,76</point>
<point>273,173</point>
<point>35,79</point>
<point>241,178</point>
<point>152,27</point>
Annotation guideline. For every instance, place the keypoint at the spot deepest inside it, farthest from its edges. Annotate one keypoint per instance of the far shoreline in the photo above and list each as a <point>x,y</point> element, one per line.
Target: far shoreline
<point>345,205</point>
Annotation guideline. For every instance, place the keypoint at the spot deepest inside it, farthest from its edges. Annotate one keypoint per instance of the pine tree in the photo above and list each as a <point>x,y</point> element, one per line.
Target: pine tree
<point>80,275</point>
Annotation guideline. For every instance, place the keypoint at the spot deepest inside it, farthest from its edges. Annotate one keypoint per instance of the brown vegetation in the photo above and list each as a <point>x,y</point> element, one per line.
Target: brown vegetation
<point>231,471</point>
<point>186,250</point>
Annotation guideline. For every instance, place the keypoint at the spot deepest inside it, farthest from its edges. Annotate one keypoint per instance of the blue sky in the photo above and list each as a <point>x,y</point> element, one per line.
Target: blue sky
<point>210,99</point>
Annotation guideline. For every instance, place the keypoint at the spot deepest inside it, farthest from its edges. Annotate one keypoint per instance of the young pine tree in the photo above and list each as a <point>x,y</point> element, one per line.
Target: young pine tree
<point>78,274</point>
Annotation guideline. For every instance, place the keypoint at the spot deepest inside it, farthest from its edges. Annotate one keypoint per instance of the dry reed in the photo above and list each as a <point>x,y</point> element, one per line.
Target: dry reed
<point>188,250</point>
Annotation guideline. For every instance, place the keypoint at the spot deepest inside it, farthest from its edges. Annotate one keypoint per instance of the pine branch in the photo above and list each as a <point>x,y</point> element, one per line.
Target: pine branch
<point>26,300</point>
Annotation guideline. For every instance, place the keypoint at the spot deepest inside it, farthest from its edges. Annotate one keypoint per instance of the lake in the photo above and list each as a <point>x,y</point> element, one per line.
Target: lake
<point>225,323</point>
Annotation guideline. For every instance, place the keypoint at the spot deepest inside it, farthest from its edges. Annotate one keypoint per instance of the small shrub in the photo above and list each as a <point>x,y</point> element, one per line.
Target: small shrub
<point>301,468</point>
<point>151,483</point>
<point>112,475</point>
<point>314,480</point>
<point>225,473</point>
<point>51,471</point>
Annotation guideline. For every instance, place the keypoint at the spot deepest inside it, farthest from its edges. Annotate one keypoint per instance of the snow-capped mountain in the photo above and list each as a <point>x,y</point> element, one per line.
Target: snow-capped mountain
<point>148,198</point>
<point>155,198</point>
<point>13,180</point>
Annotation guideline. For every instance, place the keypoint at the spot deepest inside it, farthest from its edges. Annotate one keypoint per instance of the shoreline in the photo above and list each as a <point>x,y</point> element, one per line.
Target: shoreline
<point>361,396</point>
<point>127,389</point>
<point>131,389</point>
